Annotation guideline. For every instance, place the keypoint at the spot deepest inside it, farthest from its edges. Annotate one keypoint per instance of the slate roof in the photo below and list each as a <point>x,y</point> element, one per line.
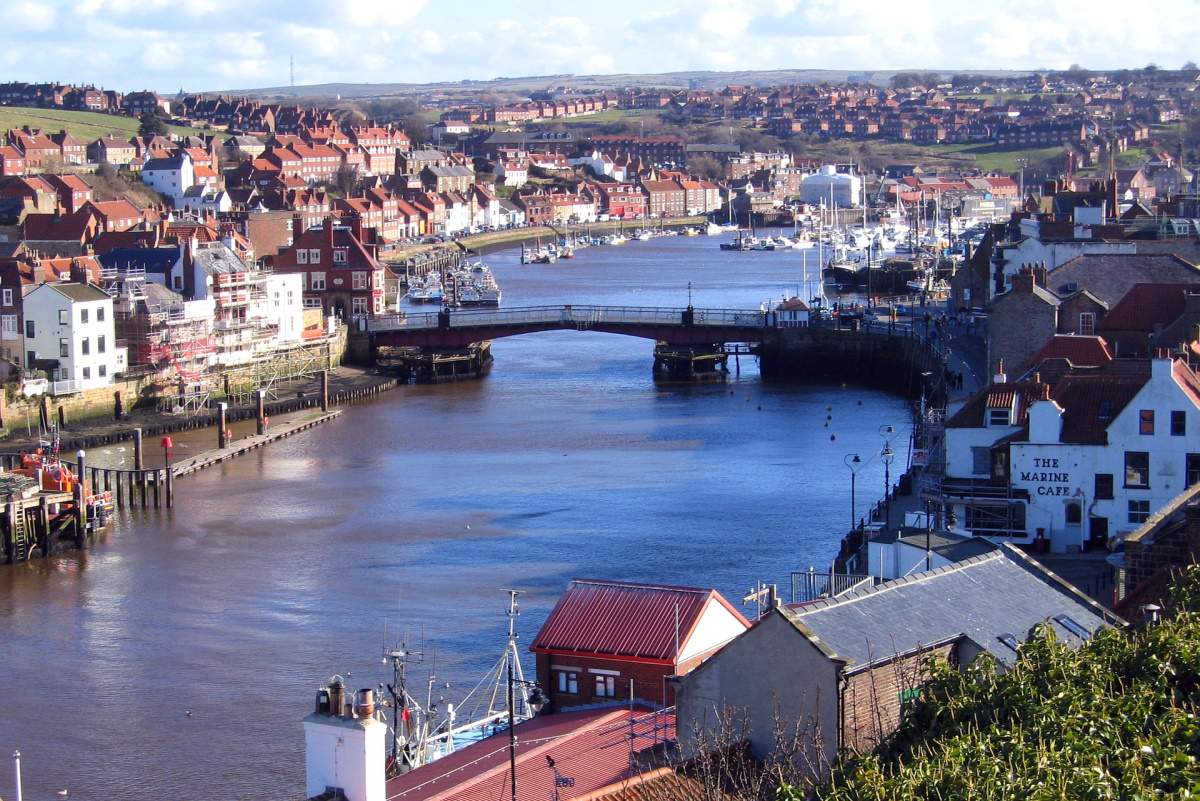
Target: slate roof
<point>1000,593</point>
<point>155,261</point>
<point>80,293</point>
<point>624,619</point>
<point>218,259</point>
<point>1109,276</point>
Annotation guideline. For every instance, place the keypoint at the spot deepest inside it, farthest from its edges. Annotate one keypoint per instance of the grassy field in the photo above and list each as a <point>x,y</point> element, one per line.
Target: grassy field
<point>947,157</point>
<point>86,126</point>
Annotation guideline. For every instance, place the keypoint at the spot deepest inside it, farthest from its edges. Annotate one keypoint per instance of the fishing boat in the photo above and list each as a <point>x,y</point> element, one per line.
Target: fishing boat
<point>474,285</point>
<point>744,241</point>
<point>429,290</point>
<point>43,465</point>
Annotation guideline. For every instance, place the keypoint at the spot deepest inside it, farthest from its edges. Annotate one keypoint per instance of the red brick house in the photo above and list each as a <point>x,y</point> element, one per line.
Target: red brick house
<point>12,162</point>
<point>607,639</point>
<point>38,149</point>
<point>72,191</point>
<point>665,198</point>
<point>72,150</point>
<point>622,201</point>
<point>342,276</point>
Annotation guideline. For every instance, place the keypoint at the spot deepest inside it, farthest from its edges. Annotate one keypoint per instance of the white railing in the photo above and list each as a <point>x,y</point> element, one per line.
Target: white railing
<point>67,387</point>
<point>570,315</point>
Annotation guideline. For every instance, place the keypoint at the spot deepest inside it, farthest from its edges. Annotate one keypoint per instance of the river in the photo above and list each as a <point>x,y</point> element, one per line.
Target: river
<point>412,511</point>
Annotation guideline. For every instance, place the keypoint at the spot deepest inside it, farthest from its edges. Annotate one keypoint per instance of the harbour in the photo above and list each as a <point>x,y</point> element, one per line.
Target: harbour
<point>413,509</point>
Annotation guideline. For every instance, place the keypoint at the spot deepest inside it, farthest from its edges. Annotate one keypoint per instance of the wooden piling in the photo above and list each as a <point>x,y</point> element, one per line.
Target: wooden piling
<point>260,411</point>
<point>44,525</point>
<point>222,439</point>
<point>170,487</point>
<point>137,449</point>
<point>325,390</point>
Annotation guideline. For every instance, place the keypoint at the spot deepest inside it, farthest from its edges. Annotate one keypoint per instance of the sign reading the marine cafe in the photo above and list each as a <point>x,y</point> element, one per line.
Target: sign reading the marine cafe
<point>1047,478</point>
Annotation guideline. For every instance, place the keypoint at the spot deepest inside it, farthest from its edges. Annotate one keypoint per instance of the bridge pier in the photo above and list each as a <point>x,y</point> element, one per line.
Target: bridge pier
<point>690,362</point>
<point>440,365</point>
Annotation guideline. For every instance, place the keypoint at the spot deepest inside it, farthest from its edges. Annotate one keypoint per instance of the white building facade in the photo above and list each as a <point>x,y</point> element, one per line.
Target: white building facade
<point>827,187</point>
<point>71,325</point>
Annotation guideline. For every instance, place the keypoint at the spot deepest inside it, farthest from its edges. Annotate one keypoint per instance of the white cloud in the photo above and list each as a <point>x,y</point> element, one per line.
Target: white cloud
<point>216,44</point>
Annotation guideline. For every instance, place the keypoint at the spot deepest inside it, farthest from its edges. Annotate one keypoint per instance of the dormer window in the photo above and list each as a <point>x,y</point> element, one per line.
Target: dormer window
<point>999,417</point>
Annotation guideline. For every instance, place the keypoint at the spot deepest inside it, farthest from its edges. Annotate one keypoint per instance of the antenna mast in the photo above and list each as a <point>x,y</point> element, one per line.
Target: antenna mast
<point>400,657</point>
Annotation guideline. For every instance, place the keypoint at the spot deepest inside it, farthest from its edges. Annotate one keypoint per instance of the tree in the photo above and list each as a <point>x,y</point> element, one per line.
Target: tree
<point>346,180</point>
<point>1190,67</point>
<point>705,167</point>
<point>1151,67</point>
<point>150,124</point>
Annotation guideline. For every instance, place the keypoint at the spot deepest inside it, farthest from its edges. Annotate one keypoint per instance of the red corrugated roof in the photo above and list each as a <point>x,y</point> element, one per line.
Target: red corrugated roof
<point>590,747</point>
<point>624,619</point>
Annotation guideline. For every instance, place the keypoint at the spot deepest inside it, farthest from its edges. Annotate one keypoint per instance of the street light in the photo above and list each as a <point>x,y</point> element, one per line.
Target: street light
<point>535,699</point>
<point>854,463</point>
<point>887,455</point>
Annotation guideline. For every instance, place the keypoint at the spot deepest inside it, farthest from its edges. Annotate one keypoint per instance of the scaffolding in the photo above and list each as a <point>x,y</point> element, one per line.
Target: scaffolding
<point>153,324</point>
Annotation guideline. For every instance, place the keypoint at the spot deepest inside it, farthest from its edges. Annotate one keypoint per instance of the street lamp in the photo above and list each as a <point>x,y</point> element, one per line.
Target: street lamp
<point>535,699</point>
<point>887,455</point>
<point>854,463</point>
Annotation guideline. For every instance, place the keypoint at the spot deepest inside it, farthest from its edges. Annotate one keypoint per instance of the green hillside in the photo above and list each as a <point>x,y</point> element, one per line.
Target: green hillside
<point>1116,719</point>
<point>86,126</point>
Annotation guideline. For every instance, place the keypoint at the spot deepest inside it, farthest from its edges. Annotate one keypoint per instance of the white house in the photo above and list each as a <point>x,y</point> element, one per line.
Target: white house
<point>284,306</point>
<point>1078,464</point>
<point>69,328</point>
<point>792,313</point>
<point>171,176</point>
<point>511,215</point>
<point>512,173</point>
<point>201,197</point>
<point>599,162</point>
<point>458,214</point>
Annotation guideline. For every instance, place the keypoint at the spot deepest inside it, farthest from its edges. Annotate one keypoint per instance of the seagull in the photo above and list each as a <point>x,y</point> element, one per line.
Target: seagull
<point>62,793</point>
<point>187,712</point>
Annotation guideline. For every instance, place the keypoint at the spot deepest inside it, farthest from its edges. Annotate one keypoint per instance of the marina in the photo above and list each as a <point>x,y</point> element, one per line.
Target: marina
<point>424,502</point>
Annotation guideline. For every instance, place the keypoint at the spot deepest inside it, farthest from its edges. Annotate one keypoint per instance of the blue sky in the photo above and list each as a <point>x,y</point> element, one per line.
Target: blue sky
<point>215,44</point>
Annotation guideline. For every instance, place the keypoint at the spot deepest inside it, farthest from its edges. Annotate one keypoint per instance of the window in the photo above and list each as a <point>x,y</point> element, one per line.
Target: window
<point>63,318</point>
<point>100,344</point>
<point>314,256</point>
<point>1139,511</point>
<point>100,314</point>
<point>86,346</point>
<point>317,281</point>
<point>8,326</point>
<point>8,297</point>
<point>29,329</point>
<point>1104,487</point>
<point>1087,323</point>
<point>1137,469</point>
<point>103,371</point>
<point>1146,422</point>
<point>981,460</point>
<point>998,417</point>
<point>339,256</point>
<point>606,686</point>
<point>568,682</point>
<point>358,306</point>
<point>87,373</point>
<point>1178,423</point>
<point>1071,625</point>
<point>64,348</point>
<point>1074,514</point>
<point>1192,471</point>
<point>301,256</point>
<point>83,315</point>
<point>360,280</point>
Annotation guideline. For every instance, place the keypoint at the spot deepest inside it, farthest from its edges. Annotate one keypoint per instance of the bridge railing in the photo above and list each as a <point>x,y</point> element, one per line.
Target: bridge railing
<point>568,315</point>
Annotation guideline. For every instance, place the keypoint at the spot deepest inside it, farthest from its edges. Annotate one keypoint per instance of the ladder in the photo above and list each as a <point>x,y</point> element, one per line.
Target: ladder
<point>20,536</point>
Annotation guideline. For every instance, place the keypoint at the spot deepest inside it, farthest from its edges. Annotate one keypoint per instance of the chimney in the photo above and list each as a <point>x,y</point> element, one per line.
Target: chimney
<point>1000,377</point>
<point>344,745</point>
<point>1039,275</point>
<point>1023,282</point>
<point>329,231</point>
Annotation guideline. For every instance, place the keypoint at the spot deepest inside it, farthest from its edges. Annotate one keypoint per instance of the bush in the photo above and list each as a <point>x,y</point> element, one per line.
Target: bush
<point>1113,719</point>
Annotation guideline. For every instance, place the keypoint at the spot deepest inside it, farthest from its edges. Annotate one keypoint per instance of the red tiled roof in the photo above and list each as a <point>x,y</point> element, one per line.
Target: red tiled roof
<point>590,747</point>
<point>624,619</point>
<point>1091,402</point>
<point>1147,305</point>
<point>1080,351</point>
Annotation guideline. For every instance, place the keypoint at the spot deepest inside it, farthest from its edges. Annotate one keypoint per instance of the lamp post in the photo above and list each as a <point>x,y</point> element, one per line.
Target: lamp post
<point>887,455</point>
<point>535,700</point>
<point>854,463</point>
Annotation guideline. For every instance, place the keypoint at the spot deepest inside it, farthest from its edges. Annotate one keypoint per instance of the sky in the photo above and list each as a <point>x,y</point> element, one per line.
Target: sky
<point>206,45</point>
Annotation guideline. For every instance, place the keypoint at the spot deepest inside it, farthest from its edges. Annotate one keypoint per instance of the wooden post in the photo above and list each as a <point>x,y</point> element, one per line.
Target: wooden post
<point>222,440</point>
<point>62,418</point>
<point>325,390</point>
<point>157,477</point>
<point>44,413</point>
<point>120,494</point>
<point>44,525</point>
<point>81,502</point>
<point>260,411</point>
<point>142,489</point>
<point>118,408</point>
<point>170,471</point>
<point>137,449</point>
<point>10,543</point>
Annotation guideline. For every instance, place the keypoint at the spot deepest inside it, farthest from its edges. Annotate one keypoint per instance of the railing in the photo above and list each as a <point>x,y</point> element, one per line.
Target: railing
<point>67,387</point>
<point>810,585</point>
<point>569,315</point>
